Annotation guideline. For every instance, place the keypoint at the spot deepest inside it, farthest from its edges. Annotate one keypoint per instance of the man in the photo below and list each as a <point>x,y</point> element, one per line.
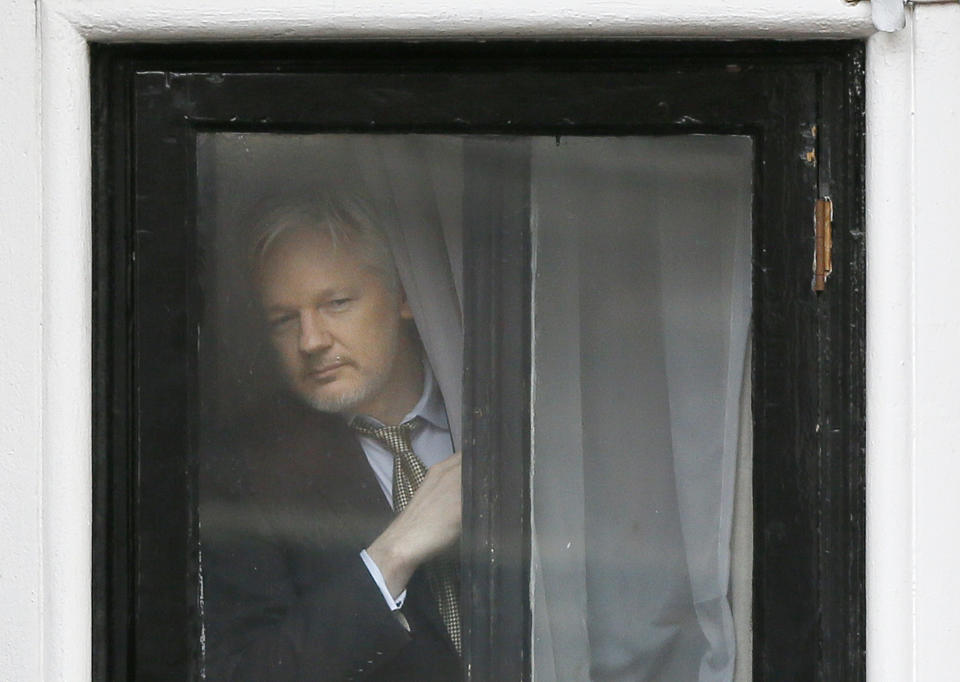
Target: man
<point>344,495</point>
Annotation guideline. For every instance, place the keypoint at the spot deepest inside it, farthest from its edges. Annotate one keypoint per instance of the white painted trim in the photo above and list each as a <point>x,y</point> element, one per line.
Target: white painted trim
<point>890,345</point>
<point>895,323</point>
<point>936,327</point>
<point>115,20</point>
<point>67,462</point>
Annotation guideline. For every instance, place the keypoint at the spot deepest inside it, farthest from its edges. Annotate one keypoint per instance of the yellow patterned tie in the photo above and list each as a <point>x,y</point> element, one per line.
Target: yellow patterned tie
<point>408,473</point>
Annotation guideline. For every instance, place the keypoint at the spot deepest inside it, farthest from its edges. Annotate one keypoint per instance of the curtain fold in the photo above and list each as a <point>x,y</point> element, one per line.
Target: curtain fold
<point>705,275</point>
<point>415,183</point>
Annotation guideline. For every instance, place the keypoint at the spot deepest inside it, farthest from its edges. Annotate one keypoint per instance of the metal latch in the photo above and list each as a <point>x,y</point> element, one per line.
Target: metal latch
<point>823,248</point>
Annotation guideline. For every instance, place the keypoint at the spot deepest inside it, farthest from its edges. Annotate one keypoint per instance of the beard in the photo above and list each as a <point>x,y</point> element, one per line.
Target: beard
<point>365,377</point>
<point>347,400</point>
<point>368,383</point>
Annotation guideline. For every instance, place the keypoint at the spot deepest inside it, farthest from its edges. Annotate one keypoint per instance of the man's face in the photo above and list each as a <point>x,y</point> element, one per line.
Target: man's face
<point>335,324</point>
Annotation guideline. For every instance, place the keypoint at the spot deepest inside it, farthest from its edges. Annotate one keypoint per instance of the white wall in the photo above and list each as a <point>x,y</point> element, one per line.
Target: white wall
<point>21,615</point>
<point>913,281</point>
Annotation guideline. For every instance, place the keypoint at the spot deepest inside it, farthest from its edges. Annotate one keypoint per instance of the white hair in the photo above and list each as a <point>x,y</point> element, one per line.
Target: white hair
<point>340,218</point>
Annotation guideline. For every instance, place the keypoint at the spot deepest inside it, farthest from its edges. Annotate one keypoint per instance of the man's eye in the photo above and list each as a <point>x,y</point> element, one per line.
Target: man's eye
<point>338,303</point>
<point>279,324</point>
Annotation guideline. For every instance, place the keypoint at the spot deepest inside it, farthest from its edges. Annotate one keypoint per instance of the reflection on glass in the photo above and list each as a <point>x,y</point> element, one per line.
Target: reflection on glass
<point>330,384</point>
<point>642,307</point>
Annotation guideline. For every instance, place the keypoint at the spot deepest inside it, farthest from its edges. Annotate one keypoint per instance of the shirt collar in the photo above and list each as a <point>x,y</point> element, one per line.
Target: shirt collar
<point>430,406</point>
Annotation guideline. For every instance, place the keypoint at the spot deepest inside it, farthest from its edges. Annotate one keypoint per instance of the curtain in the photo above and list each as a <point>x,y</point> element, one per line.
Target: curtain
<point>416,185</point>
<point>641,315</point>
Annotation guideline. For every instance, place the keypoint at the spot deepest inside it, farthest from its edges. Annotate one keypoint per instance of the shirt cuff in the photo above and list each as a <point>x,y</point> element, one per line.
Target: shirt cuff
<point>374,570</point>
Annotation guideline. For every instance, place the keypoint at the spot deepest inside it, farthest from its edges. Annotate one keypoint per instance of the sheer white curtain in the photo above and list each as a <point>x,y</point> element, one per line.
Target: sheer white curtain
<point>416,185</point>
<point>641,316</point>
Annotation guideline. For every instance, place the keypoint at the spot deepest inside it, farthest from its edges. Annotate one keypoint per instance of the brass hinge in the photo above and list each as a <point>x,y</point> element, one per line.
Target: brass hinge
<point>822,254</point>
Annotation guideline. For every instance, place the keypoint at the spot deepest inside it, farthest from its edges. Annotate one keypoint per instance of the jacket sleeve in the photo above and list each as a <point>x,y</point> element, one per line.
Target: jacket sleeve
<point>279,609</point>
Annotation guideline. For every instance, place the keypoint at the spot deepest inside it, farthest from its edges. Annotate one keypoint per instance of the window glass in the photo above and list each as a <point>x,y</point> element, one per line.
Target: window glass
<point>332,284</point>
<point>330,373</point>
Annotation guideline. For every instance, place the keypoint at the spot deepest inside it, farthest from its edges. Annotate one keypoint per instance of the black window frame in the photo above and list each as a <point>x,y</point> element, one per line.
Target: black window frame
<point>802,103</point>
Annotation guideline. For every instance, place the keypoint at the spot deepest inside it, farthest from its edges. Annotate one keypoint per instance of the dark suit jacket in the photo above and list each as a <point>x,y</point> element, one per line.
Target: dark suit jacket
<point>285,510</point>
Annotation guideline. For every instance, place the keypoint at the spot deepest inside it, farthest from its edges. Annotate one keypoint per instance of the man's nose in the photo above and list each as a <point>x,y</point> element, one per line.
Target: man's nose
<point>314,335</point>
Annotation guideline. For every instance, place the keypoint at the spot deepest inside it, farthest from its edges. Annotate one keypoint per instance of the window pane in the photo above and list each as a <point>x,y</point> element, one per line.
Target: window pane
<point>641,435</point>
<point>642,306</point>
<point>330,355</point>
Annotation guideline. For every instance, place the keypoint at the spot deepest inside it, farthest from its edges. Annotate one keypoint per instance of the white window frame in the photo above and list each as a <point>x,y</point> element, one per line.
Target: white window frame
<point>913,211</point>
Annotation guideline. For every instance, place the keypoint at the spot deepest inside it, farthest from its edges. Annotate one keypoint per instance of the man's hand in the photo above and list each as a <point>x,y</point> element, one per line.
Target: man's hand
<point>429,524</point>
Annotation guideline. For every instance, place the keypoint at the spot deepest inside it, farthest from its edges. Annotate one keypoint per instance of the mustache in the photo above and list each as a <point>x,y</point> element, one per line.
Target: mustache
<point>325,361</point>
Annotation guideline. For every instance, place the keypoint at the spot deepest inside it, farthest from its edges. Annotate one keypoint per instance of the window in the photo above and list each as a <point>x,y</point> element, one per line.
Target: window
<point>786,120</point>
